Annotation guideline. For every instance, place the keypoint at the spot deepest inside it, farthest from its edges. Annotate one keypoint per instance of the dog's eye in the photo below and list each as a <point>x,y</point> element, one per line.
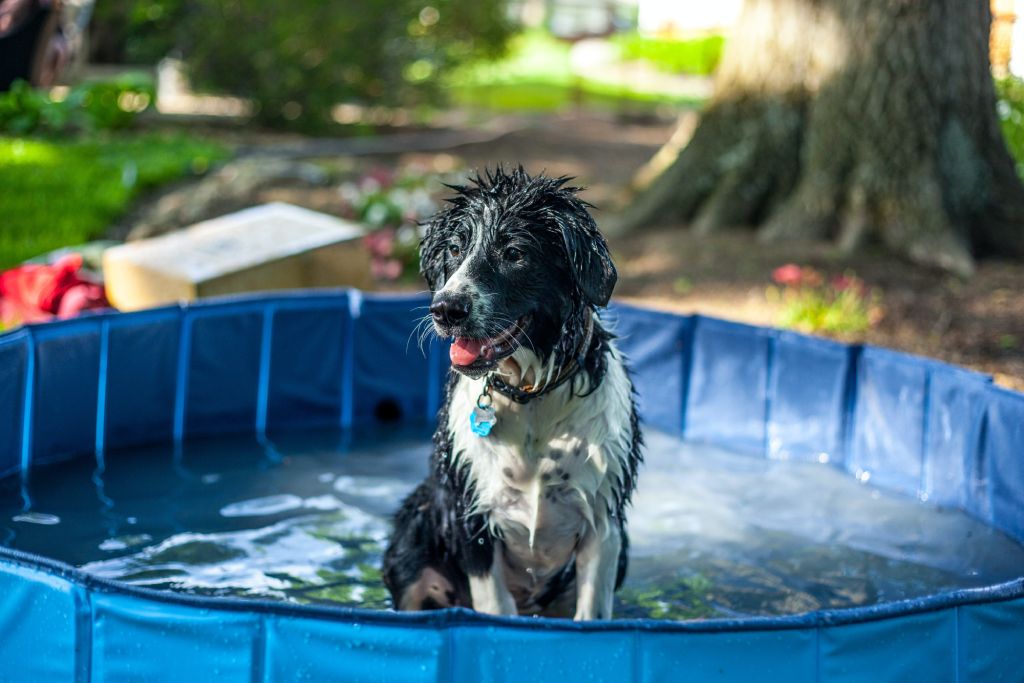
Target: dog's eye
<point>513,254</point>
<point>454,250</point>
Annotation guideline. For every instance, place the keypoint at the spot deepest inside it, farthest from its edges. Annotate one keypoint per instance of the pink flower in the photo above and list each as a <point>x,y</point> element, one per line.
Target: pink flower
<point>841,283</point>
<point>788,275</point>
<point>384,177</point>
<point>386,269</point>
<point>380,242</point>
<point>810,277</point>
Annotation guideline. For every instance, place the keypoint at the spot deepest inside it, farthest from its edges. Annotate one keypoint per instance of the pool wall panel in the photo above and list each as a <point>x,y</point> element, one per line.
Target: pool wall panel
<point>307,649</point>
<point>486,653</point>
<point>14,360</point>
<point>729,656</point>
<point>66,385</point>
<point>657,352</point>
<point>307,364</point>
<point>807,399</point>
<point>990,642</point>
<point>252,364</point>
<point>1003,459</point>
<point>919,647</point>
<point>141,376</point>
<point>956,412</point>
<point>224,348</point>
<point>727,400</point>
<point>137,640</point>
<point>38,626</point>
<point>391,369</point>
<point>889,418</point>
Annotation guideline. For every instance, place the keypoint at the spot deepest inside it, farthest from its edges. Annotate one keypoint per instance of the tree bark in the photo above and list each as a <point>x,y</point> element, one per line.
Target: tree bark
<point>851,120</point>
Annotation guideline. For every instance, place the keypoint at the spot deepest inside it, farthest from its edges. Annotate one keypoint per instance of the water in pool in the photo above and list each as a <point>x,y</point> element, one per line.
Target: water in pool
<point>713,533</point>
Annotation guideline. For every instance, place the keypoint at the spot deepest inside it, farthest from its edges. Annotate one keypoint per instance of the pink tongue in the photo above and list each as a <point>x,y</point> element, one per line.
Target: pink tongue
<point>464,351</point>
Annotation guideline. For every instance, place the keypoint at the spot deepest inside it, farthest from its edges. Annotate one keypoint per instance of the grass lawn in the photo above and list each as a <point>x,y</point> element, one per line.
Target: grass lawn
<point>61,192</point>
<point>537,75</point>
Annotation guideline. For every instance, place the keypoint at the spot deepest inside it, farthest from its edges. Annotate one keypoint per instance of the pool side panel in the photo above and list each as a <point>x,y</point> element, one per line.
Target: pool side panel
<point>727,399</point>
<point>501,655</point>
<point>67,380</point>
<point>807,390</point>
<point>889,420</point>
<point>37,626</point>
<point>223,369</point>
<point>314,650</point>
<point>14,352</point>
<point>306,364</point>
<point>1004,456</point>
<point>991,642</point>
<point>392,373</point>
<point>919,647</point>
<point>136,640</point>
<point>956,409</point>
<point>657,349</point>
<point>731,657</point>
<point>141,357</point>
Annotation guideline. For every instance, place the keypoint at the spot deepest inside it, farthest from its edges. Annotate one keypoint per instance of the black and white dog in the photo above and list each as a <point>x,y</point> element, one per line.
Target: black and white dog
<point>537,446</point>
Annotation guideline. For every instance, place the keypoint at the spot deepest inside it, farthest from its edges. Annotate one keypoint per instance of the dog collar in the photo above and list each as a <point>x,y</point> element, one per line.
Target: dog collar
<point>523,395</point>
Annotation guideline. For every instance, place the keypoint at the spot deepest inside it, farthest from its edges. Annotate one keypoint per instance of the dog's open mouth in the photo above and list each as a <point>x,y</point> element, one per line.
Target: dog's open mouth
<point>481,354</point>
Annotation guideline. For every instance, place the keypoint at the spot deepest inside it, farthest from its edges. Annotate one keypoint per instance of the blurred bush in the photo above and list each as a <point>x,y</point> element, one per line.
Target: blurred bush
<point>843,305</point>
<point>299,59</point>
<point>90,106</point>
<point>698,56</point>
<point>1010,108</point>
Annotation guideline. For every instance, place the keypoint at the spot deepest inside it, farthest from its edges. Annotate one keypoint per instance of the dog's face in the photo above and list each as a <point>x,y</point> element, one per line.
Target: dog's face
<point>514,261</point>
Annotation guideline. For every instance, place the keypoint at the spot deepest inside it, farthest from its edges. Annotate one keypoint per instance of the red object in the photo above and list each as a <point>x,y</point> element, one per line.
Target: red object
<point>841,283</point>
<point>789,274</point>
<point>36,292</point>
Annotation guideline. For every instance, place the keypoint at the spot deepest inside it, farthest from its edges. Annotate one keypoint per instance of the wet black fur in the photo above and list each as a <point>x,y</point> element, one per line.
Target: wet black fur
<point>569,274</point>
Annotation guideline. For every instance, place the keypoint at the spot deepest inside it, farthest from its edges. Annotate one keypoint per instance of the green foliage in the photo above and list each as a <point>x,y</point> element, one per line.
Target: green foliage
<point>536,75</point>
<point>698,56</point>
<point>137,31</point>
<point>65,192</point>
<point>91,106</point>
<point>1010,108</point>
<point>299,59</point>
<point>687,598</point>
<point>843,305</point>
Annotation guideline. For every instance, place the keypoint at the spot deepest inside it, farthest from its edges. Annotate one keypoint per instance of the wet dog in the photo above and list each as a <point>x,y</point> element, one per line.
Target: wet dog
<point>537,444</point>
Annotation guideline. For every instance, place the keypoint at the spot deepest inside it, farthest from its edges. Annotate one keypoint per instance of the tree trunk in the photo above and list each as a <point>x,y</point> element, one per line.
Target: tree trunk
<point>851,120</point>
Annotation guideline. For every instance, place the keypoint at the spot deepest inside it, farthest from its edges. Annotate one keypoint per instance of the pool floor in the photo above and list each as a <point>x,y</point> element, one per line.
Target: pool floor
<point>305,517</point>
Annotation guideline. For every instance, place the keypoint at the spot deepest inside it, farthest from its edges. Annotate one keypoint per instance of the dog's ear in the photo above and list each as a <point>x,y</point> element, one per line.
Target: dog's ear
<point>589,261</point>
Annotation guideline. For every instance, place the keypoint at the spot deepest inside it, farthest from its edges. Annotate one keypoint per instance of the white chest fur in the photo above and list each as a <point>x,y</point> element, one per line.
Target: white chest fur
<point>547,474</point>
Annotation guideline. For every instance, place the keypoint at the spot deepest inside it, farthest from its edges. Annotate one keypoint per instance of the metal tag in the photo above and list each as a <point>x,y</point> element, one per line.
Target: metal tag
<point>482,420</point>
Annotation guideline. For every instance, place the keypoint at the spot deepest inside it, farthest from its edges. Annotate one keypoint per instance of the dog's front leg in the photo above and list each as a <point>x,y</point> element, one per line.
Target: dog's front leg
<point>488,589</point>
<point>597,558</point>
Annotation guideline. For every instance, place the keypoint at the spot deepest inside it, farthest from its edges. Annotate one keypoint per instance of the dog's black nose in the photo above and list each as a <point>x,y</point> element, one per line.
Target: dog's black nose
<point>450,310</point>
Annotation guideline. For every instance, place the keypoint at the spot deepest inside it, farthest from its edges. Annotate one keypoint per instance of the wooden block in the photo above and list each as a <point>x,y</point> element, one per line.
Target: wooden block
<point>269,247</point>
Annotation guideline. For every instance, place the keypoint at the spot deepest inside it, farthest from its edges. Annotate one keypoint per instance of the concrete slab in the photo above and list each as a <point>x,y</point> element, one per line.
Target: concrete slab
<point>269,247</point>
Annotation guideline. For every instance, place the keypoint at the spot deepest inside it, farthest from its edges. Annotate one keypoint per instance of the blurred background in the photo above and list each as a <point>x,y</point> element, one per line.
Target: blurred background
<point>126,121</point>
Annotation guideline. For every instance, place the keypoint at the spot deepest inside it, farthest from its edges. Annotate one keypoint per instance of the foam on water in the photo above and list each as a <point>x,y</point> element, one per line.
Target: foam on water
<point>713,533</point>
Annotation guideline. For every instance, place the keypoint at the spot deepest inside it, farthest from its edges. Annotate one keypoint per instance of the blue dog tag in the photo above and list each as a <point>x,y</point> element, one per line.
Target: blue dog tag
<point>482,420</point>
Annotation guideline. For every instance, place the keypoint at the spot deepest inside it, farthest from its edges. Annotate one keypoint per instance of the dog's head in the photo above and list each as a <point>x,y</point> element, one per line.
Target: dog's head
<point>515,261</point>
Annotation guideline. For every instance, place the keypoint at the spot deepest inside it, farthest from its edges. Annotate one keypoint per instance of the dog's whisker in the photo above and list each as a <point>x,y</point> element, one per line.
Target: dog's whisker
<point>418,330</point>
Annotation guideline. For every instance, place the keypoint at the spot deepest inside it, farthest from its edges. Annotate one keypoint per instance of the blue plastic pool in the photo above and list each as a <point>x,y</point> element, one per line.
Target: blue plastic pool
<point>85,387</point>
